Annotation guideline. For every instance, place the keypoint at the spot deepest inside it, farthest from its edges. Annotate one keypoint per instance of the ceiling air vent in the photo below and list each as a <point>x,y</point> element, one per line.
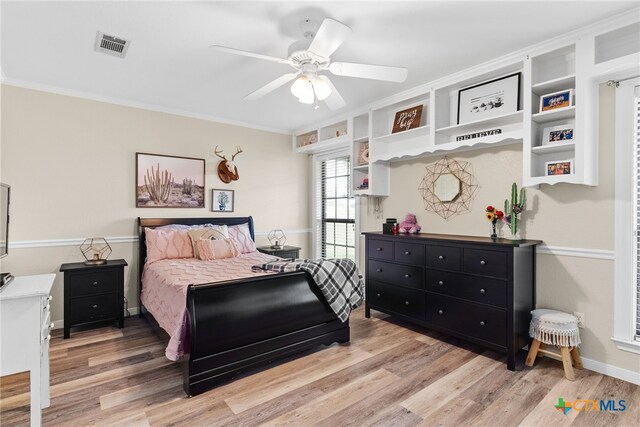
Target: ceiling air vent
<point>111,45</point>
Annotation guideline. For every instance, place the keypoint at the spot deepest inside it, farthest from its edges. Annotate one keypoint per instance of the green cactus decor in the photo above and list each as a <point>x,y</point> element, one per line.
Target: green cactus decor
<point>512,209</point>
<point>158,184</point>
<point>187,186</point>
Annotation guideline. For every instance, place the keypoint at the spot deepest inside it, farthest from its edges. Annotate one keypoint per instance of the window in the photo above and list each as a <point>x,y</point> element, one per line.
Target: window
<point>335,214</point>
<point>626,332</point>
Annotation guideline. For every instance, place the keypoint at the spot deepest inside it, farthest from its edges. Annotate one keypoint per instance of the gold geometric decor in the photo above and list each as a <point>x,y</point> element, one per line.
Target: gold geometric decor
<point>448,187</point>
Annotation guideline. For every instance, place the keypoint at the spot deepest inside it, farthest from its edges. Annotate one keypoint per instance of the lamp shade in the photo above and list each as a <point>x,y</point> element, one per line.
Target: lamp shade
<point>321,88</point>
<point>302,88</point>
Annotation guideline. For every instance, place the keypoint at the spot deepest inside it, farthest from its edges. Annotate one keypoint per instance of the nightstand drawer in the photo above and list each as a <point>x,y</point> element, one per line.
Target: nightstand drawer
<point>486,263</point>
<point>408,302</point>
<point>95,307</point>
<point>480,322</point>
<point>396,274</point>
<point>445,257</point>
<point>381,249</point>
<point>287,254</point>
<point>95,282</point>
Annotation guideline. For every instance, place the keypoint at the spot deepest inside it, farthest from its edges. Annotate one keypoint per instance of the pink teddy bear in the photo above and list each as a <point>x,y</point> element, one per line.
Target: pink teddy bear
<point>409,225</point>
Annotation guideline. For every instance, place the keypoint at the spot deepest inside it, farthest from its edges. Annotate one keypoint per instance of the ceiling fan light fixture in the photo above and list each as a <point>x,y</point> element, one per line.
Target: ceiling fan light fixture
<point>322,89</point>
<point>302,88</point>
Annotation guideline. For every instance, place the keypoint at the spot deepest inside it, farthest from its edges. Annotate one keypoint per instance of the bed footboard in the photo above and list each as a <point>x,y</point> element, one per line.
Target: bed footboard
<point>237,326</point>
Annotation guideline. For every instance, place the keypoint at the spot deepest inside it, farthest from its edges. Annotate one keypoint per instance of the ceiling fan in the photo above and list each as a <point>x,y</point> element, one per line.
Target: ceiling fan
<point>309,57</point>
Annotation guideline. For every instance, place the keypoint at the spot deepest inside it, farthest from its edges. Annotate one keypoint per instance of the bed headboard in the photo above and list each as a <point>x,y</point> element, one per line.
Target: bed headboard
<point>158,222</point>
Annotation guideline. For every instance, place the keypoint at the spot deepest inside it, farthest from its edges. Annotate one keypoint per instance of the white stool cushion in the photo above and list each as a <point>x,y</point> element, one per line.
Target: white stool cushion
<point>555,328</point>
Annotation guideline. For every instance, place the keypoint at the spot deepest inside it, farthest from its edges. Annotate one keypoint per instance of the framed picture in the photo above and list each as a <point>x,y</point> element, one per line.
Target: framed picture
<point>559,167</point>
<point>489,99</point>
<point>556,100</point>
<point>222,200</point>
<point>407,119</point>
<point>554,134</point>
<point>169,181</point>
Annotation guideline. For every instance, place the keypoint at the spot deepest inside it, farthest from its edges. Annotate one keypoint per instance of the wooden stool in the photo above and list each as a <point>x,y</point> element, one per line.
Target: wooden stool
<point>551,327</point>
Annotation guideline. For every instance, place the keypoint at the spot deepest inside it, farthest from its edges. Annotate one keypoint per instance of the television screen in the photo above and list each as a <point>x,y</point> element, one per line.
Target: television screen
<point>4,219</point>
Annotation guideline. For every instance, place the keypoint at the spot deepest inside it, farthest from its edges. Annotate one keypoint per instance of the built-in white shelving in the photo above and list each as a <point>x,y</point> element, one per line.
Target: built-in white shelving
<point>578,62</point>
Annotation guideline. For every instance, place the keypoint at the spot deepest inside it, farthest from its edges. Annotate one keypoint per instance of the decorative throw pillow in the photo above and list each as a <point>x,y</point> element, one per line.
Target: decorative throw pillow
<point>217,232</point>
<point>167,244</point>
<point>242,236</point>
<point>208,249</point>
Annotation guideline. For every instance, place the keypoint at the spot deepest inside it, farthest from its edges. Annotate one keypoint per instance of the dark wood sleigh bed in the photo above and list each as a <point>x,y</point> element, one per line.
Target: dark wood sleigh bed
<point>239,325</point>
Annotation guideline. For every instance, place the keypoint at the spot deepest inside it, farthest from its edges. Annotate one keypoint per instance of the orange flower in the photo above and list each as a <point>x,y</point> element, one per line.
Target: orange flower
<point>490,216</point>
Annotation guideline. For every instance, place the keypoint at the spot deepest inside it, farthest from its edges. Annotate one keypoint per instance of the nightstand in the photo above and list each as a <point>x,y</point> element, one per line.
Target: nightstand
<point>93,293</point>
<point>284,252</point>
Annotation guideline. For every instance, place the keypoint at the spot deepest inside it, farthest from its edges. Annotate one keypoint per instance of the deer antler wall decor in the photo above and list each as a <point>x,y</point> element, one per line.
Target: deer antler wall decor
<point>227,170</point>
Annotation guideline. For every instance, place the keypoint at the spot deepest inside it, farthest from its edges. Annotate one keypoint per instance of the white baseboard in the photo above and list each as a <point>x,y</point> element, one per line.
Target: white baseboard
<point>610,370</point>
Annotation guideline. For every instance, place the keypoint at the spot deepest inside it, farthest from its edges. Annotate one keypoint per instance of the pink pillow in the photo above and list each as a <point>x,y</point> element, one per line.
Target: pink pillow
<point>167,244</point>
<point>209,249</point>
<point>242,236</point>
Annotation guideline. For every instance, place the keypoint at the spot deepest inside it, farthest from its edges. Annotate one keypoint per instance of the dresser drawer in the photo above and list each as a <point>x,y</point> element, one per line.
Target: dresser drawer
<point>408,253</point>
<point>486,263</point>
<point>396,274</point>
<point>94,307</point>
<point>480,322</point>
<point>381,249</point>
<point>91,283</point>
<point>408,302</point>
<point>479,289</point>
<point>445,257</point>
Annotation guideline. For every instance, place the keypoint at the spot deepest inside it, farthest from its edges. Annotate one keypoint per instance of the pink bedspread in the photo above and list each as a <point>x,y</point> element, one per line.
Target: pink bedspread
<point>164,289</point>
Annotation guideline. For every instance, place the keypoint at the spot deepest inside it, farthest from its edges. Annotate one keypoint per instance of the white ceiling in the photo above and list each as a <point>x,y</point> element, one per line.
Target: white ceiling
<point>169,66</point>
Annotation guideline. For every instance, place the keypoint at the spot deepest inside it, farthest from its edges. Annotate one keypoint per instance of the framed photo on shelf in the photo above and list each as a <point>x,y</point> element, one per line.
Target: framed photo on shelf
<point>493,98</point>
<point>169,181</point>
<point>407,119</point>
<point>222,200</point>
<point>555,100</point>
<point>559,167</point>
<point>554,134</point>
<point>363,157</point>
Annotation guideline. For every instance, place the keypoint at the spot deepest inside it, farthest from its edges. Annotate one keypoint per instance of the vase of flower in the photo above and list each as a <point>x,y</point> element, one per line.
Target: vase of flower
<point>494,216</point>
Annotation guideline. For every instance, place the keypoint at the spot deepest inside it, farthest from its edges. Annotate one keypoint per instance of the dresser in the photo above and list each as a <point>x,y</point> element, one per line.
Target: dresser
<point>93,294</point>
<point>25,323</point>
<point>475,288</point>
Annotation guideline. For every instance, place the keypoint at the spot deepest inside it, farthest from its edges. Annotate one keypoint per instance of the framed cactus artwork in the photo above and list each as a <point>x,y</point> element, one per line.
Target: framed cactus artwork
<point>222,200</point>
<point>169,181</point>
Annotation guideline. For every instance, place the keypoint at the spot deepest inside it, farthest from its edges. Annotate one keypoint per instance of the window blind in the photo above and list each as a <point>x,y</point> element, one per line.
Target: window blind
<point>636,210</point>
<point>335,209</point>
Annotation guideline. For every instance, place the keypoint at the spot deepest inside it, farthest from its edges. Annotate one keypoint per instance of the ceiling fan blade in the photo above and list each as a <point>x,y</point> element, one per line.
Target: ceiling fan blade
<point>335,100</point>
<point>329,37</point>
<point>365,71</point>
<point>269,87</point>
<point>249,54</point>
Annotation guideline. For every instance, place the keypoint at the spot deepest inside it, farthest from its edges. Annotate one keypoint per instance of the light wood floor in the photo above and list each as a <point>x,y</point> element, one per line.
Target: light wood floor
<point>389,375</point>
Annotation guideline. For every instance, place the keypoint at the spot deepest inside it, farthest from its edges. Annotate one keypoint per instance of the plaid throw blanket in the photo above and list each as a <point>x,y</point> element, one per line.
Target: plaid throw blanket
<point>338,279</point>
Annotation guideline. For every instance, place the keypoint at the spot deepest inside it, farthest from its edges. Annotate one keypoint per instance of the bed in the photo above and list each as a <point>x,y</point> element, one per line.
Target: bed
<point>239,325</point>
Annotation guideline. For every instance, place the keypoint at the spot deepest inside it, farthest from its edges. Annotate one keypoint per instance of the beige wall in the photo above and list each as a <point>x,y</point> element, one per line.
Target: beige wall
<point>71,165</point>
<point>563,215</point>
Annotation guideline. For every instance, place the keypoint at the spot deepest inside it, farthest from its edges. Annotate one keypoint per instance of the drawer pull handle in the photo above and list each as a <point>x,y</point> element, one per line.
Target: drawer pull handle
<point>407,253</point>
<point>407,276</point>
<point>95,283</point>
<point>482,323</point>
<point>440,283</point>
<point>440,312</point>
<point>440,256</point>
<point>483,262</point>
<point>48,337</point>
<point>406,303</point>
<point>46,307</point>
<point>379,270</point>
<point>378,295</point>
<point>95,305</point>
<point>379,249</point>
<point>51,325</point>
<point>482,291</point>
<point>49,298</point>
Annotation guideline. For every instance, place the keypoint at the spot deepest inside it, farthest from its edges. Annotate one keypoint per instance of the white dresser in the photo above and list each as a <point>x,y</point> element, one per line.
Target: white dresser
<point>25,324</point>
